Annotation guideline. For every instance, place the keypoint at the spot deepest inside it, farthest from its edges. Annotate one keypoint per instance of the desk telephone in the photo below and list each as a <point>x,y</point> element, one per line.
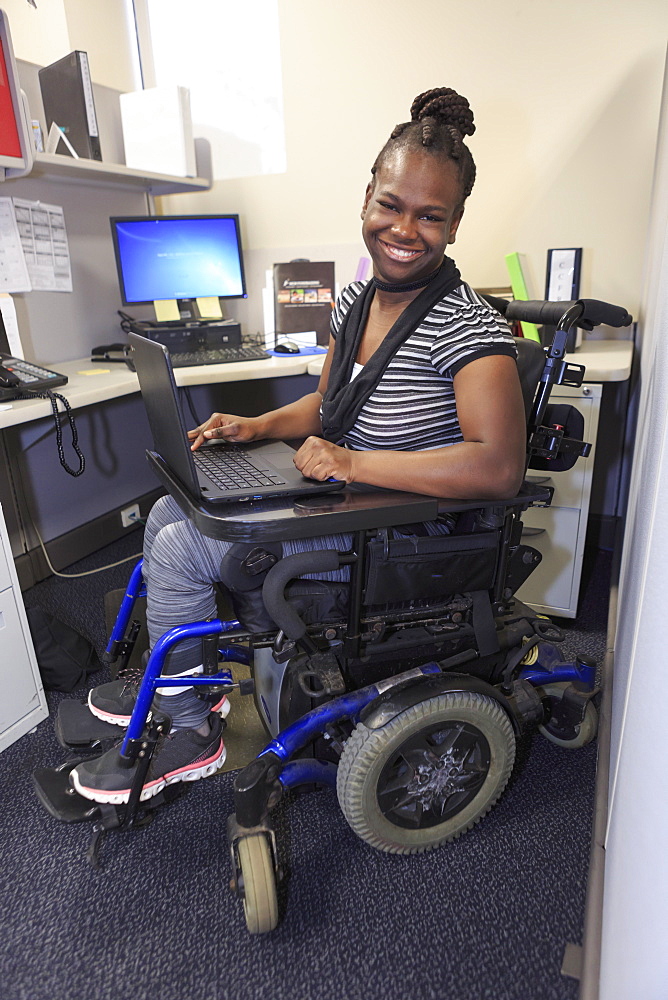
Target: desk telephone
<point>18,376</point>
<point>21,379</point>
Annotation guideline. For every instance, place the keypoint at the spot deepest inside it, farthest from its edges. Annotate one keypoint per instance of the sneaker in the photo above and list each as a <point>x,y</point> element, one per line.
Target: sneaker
<point>182,755</point>
<point>114,702</point>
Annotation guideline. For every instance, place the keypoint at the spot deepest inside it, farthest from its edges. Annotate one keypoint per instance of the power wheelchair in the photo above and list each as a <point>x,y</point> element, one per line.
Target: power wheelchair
<point>406,688</point>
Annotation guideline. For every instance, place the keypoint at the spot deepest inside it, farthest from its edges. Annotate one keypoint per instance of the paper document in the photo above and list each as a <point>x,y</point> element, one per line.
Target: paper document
<point>14,275</point>
<point>10,323</point>
<point>45,247</point>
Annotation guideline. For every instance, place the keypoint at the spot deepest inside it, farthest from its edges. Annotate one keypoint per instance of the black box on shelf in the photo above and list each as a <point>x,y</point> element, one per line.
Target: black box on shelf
<point>67,96</point>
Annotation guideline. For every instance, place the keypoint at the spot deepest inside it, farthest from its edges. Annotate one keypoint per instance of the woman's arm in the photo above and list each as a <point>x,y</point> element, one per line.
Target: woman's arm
<point>294,420</point>
<point>489,463</point>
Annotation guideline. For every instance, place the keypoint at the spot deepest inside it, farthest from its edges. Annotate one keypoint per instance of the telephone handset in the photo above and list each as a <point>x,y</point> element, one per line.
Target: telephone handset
<point>17,376</point>
<point>8,379</point>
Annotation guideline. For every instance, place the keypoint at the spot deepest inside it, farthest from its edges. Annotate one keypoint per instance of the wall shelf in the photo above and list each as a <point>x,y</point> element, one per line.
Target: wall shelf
<point>55,165</point>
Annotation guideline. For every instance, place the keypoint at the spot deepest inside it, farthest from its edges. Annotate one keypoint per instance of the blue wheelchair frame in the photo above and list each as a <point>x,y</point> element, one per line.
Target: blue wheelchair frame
<point>547,669</point>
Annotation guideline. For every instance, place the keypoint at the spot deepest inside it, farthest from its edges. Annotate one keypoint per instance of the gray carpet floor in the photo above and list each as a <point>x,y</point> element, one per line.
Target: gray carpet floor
<point>487,916</point>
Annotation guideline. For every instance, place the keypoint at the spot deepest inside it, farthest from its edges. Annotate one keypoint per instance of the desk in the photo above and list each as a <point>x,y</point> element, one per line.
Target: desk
<point>79,516</point>
<point>90,383</point>
<point>605,360</point>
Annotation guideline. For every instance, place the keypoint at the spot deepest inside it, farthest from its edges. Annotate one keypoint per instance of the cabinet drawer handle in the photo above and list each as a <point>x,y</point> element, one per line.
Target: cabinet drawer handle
<point>532,532</point>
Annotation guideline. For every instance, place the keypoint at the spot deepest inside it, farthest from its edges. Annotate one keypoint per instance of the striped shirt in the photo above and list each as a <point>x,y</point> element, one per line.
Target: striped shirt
<point>413,406</point>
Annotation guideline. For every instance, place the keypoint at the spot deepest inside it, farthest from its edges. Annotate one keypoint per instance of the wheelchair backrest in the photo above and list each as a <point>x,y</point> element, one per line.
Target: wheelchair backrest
<point>530,365</point>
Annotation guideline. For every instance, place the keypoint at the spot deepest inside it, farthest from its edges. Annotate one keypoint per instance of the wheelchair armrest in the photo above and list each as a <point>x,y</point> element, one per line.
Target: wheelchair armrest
<point>290,567</point>
<point>528,494</point>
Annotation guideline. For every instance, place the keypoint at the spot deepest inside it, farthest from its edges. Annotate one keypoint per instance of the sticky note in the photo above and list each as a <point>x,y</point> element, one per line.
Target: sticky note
<point>209,307</point>
<point>166,309</point>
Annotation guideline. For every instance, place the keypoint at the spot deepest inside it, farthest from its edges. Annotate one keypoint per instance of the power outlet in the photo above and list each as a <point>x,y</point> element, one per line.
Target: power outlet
<point>130,515</point>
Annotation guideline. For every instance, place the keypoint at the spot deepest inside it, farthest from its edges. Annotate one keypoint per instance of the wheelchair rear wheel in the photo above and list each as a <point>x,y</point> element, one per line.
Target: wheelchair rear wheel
<point>259,884</point>
<point>427,775</point>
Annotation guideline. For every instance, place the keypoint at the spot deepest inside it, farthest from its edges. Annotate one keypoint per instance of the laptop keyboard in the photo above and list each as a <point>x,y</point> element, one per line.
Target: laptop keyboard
<point>232,469</point>
<point>218,356</point>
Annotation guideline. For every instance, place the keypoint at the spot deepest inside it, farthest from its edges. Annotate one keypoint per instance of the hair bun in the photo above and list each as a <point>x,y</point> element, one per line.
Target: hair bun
<point>447,107</point>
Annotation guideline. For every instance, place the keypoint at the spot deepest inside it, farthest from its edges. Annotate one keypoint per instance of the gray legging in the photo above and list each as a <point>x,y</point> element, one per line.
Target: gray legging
<point>181,567</point>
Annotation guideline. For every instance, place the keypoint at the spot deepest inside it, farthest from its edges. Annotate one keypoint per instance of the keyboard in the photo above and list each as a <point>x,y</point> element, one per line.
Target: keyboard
<point>218,356</point>
<point>231,469</point>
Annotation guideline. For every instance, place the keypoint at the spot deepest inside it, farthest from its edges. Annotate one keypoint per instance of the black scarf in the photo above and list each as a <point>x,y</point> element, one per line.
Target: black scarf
<point>344,399</point>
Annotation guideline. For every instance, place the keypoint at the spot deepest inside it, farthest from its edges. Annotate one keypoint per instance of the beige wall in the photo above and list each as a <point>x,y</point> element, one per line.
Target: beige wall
<point>566,99</point>
<point>39,35</point>
<point>55,27</point>
<point>566,105</point>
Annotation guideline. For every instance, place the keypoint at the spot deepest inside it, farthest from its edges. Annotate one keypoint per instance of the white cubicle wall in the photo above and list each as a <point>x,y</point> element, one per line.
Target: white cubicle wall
<point>634,958</point>
<point>61,326</point>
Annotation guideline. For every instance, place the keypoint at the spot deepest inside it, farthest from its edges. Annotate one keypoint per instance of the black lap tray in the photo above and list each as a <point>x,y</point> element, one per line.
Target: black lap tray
<point>352,509</point>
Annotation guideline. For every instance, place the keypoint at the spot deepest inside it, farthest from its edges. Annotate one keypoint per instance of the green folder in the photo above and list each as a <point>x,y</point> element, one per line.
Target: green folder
<point>518,285</point>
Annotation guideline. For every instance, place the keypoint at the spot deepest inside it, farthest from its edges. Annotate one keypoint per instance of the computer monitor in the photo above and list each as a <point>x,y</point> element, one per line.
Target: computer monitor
<point>181,257</point>
<point>16,156</point>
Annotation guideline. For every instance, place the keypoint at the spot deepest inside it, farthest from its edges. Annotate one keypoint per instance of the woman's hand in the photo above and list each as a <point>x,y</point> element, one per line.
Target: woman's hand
<point>320,459</point>
<point>225,427</point>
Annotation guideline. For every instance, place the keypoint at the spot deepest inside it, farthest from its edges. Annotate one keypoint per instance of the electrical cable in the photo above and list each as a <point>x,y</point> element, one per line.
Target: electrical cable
<point>89,572</point>
<point>191,406</point>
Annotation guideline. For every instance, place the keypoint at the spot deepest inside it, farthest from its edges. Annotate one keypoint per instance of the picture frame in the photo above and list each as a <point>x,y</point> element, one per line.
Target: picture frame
<point>562,278</point>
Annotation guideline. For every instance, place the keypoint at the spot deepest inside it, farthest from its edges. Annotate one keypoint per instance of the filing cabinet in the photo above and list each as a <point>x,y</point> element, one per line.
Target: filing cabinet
<point>23,703</point>
<point>559,531</point>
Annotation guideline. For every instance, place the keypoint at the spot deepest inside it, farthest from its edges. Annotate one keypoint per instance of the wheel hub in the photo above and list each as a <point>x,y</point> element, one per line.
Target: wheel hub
<point>433,775</point>
<point>434,779</point>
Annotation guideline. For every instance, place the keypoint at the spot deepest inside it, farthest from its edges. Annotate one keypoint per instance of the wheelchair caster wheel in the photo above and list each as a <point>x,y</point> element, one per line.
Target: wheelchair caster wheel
<point>578,735</point>
<point>428,774</point>
<point>257,882</point>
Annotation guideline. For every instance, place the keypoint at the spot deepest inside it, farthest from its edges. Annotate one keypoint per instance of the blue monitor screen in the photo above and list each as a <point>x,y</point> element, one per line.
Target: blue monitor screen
<point>178,257</point>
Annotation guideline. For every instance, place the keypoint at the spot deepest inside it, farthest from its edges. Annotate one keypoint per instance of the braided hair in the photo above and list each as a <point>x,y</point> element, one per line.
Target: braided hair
<point>440,119</point>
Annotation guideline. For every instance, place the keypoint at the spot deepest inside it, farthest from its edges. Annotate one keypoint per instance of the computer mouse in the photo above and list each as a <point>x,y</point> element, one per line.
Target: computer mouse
<point>287,347</point>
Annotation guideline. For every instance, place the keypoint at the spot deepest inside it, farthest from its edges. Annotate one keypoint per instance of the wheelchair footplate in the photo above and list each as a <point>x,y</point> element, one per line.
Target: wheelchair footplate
<point>52,785</point>
<point>77,729</point>
<point>64,803</point>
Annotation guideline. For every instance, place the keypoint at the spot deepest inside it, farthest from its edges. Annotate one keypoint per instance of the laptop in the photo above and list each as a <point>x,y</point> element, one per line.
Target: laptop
<point>219,472</point>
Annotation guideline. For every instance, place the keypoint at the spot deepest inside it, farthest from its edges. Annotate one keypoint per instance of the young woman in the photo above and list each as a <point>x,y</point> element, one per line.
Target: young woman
<point>419,392</point>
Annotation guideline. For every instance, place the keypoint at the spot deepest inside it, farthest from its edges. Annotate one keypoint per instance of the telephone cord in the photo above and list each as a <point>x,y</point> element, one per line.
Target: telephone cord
<point>53,397</point>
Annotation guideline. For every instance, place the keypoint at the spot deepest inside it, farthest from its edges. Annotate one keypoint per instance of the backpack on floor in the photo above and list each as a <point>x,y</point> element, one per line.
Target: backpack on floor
<point>64,656</point>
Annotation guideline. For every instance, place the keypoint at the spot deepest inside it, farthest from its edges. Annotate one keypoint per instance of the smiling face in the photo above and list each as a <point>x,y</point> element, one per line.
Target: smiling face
<point>411,212</point>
